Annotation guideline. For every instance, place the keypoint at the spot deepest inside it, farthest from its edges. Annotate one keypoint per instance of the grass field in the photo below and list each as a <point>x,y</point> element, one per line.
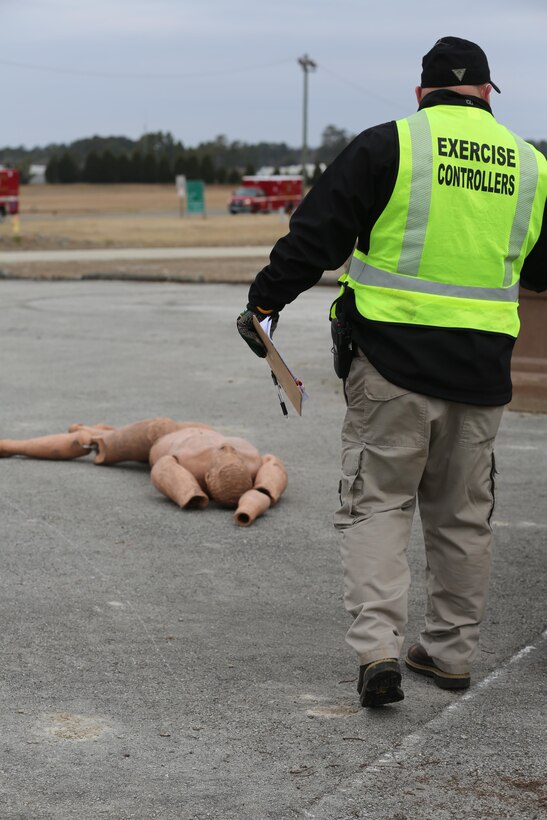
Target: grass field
<point>99,216</point>
<point>93,199</point>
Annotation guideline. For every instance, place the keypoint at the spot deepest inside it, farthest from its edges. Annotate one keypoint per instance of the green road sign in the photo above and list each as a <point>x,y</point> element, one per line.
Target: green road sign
<point>195,196</point>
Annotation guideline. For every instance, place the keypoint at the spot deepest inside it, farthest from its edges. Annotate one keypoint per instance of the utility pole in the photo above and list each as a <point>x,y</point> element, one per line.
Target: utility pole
<point>307,66</point>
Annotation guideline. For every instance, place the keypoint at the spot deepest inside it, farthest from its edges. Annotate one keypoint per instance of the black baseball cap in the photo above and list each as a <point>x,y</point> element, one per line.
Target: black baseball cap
<point>453,61</point>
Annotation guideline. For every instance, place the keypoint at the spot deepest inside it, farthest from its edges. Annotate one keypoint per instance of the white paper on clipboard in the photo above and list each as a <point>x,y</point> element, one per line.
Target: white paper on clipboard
<point>292,386</point>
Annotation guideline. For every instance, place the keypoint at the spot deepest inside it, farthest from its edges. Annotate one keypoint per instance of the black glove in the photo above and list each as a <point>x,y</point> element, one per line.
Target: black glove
<point>247,331</point>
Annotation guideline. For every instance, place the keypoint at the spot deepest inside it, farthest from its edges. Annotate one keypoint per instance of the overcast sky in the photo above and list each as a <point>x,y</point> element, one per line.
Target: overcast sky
<point>200,68</point>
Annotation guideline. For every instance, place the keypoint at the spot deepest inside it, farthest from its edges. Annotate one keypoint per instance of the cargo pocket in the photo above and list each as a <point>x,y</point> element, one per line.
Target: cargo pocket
<point>377,388</point>
<point>394,416</point>
<point>350,484</point>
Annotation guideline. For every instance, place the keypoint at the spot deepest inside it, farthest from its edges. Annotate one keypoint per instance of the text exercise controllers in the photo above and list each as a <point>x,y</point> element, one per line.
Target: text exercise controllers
<point>464,176</point>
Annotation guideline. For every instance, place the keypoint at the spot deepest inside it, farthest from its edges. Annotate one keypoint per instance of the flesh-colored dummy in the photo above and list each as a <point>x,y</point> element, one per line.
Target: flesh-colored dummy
<point>191,462</point>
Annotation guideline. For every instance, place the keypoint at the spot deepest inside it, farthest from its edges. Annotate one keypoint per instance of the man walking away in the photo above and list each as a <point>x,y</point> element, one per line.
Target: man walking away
<point>444,212</point>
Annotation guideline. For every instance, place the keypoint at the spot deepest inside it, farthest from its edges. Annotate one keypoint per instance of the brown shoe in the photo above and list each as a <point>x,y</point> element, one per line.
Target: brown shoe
<point>380,682</point>
<point>419,661</point>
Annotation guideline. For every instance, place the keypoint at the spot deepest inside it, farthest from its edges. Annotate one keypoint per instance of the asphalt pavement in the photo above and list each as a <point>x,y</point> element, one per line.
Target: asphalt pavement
<point>160,663</point>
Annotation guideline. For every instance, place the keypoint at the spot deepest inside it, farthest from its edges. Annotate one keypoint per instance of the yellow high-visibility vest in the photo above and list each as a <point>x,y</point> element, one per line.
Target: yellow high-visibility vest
<point>465,211</point>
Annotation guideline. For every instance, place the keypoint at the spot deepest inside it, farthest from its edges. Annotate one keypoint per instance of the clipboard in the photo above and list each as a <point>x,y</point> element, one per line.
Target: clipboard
<point>290,384</point>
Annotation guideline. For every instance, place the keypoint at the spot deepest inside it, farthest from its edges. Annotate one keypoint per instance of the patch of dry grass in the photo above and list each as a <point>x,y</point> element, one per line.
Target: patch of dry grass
<point>145,232</point>
<point>80,199</point>
<point>102,216</point>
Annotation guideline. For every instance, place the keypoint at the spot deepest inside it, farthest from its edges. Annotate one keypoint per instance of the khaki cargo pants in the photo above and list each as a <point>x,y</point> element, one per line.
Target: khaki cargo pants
<point>399,447</point>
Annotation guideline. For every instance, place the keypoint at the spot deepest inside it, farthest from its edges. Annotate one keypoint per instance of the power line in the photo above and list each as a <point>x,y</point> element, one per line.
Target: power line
<point>130,76</point>
<point>178,76</point>
<point>361,88</point>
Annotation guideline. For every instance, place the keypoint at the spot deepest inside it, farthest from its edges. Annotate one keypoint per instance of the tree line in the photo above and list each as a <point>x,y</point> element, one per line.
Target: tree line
<point>107,167</point>
<point>157,158</point>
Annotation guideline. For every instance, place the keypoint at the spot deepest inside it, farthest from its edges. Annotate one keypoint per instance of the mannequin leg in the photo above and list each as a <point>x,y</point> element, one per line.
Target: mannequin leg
<point>56,447</point>
<point>91,428</point>
<point>132,442</point>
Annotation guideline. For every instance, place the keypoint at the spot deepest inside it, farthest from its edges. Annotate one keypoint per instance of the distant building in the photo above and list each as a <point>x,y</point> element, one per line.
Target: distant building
<point>290,170</point>
<point>37,174</point>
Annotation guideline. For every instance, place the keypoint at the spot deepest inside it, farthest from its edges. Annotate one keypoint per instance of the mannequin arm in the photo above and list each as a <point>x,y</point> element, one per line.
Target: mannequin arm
<point>271,477</point>
<point>251,505</point>
<point>178,484</point>
<point>270,483</point>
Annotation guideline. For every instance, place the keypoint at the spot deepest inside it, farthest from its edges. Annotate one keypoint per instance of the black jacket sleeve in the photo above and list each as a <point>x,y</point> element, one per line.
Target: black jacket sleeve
<point>340,209</point>
<point>534,271</point>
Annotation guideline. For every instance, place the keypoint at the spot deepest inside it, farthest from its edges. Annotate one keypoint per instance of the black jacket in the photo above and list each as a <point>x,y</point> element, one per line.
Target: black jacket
<point>338,214</point>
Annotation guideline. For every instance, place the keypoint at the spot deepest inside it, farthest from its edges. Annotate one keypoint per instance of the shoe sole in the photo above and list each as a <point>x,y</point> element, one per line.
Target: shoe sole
<point>382,688</point>
<point>444,680</point>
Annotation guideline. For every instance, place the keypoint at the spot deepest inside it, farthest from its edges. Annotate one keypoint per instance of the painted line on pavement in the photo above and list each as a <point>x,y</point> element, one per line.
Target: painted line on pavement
<point>411,741</point>
<point>516,447</point>
<point>407,748</point>
<point>520,525</point>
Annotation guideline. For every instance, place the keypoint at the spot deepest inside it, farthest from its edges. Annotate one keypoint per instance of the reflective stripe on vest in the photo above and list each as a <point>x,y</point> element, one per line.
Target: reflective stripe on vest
<point>525,201</point>
<point>361,272</point>
<point>420,196</point>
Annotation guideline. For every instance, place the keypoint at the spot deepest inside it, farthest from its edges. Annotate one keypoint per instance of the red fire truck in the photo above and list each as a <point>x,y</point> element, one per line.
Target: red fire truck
<point>263,194</point>
<point>9,191</point>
